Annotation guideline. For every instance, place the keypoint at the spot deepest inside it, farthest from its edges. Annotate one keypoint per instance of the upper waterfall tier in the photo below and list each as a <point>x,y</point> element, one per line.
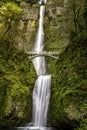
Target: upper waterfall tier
<point>39,62</point>
<point>42,2</point>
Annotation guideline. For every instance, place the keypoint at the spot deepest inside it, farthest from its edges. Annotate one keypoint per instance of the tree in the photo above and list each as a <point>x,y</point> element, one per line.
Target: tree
<point>76,19</point>
<point>9,17</point>
<point>75,8</point>
<point>85,13</point>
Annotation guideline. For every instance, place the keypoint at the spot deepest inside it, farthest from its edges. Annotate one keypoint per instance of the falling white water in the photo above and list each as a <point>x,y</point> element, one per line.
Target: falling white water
<point>39,62</point>
<point>42,1</point>
<point>41,92</point>
<point>41,95</point>
<point>65,3</point>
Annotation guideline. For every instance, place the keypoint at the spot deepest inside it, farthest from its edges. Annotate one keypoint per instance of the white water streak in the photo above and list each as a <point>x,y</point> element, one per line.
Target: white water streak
<point>41,95</point>
<point>42,1</point>
<point>41,92</point>
<point>65,3</point>
<point>39,62</point>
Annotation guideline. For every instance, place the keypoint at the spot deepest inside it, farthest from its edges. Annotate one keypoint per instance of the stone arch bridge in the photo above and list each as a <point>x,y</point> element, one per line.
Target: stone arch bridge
<point>34,54</point>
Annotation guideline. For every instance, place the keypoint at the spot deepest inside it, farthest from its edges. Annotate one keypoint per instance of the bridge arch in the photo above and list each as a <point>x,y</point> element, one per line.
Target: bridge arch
<point>33,54</point>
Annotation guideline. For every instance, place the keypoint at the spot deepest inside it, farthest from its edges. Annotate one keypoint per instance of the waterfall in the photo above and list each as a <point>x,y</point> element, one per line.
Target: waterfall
<point>41,92</point>
<point>39,62</point>
<point>41,95</point>
<point>42,1</point>
<point>65,3</point>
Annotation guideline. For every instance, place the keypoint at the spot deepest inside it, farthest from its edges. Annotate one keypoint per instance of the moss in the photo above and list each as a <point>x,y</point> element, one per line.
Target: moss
<point>69,85</point>
<point>16,83</point>
<point>54,30</point>
<point>83,125</point>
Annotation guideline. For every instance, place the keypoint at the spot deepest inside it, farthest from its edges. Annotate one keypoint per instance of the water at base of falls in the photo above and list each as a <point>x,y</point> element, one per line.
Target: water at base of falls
<point>33,128</point>
<point>29,128</point>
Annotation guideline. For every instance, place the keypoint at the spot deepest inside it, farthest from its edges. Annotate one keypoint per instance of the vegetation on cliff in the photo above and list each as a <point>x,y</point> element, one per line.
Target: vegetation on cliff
<point>65,31</point>
<point>68,105</point>
<point>17,74</point>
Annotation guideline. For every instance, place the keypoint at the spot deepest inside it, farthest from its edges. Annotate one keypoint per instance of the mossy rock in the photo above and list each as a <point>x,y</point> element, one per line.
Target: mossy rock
<point>68,103</point>
<point>17,78</point>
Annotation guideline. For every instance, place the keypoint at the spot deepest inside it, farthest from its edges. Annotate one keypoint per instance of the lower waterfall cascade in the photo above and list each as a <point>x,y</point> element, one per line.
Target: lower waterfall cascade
<point>41,95</point>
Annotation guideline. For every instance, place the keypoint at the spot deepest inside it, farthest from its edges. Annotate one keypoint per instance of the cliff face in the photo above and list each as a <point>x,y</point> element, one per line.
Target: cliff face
<point>69,84</point>
<point>54,26</point>
<point>16,83</point>
<point>68,102</point>
<point>27,27</point>
<point>17,75</point>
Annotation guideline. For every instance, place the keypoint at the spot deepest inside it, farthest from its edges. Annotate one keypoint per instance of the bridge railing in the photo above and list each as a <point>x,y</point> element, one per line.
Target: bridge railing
<point>43,52</point>
<point>34,54</point>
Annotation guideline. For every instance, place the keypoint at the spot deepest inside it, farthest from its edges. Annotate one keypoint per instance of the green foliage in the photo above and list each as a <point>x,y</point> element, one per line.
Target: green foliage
<point>9,12</point>
<point>68,103</point>
<point>54,34</point>
<point>17,77</point>
<point>76,18</point>
<point>16,84</point>
<point>69,83</point>
<point>14,1</point>
<point>83,125</point>
<point>10,15</point>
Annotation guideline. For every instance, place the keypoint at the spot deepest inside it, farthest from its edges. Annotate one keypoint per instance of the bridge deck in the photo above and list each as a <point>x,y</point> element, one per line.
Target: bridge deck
<point>43,52</point>
<point>34,54</point>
